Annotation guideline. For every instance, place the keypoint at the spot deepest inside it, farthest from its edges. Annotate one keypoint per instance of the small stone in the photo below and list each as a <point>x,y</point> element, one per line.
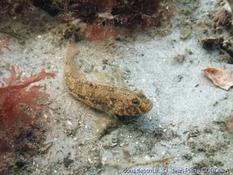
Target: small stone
<point>229,125</point>
<point>187,156</point>
<point>67,161</point>
<point>179,58</point>
<point>193,133</point>
<point>185,33</point>
<point>208,131</point>
<point>21,164</point>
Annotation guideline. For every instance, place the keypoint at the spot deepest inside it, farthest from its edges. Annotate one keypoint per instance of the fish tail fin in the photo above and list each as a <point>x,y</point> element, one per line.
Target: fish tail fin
<point>70,54</point>
<point>70,65</point>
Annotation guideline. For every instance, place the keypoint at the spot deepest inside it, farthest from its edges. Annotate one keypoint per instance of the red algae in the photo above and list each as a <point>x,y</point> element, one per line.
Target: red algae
<point>15,94</point>
<point>19,109</point>
<point>98,33</point>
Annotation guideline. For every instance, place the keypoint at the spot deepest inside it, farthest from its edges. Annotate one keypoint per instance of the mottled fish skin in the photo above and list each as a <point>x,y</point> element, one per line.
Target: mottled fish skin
<point>112,100</point>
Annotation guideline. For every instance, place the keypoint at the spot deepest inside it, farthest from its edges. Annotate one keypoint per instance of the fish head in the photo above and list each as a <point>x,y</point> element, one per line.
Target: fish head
<point>133,104</point>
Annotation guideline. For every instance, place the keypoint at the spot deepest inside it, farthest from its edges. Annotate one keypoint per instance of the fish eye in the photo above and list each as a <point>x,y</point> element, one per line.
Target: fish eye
<point>135,101</point>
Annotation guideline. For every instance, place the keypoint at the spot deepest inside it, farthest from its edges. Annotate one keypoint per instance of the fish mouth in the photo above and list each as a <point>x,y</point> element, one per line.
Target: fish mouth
<point>146,106</point>
<point>150,106</point>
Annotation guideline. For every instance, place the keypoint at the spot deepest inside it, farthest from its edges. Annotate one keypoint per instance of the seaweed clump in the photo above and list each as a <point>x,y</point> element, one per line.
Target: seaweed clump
<point>137,13</point>
<point>14,7</point>
<point>21,129</point>
<point>107,17</point>
<point>129,14</point>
